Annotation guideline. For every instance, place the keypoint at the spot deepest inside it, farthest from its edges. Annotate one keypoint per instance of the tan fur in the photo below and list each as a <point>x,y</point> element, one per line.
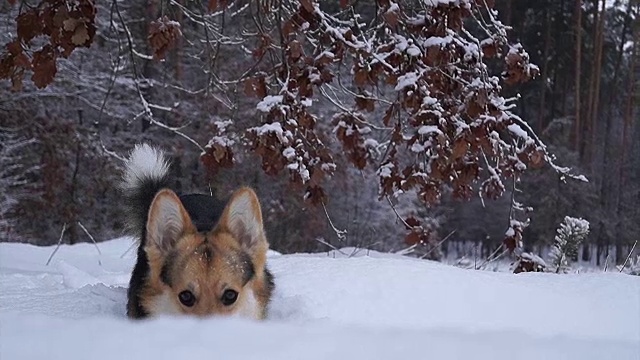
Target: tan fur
<point>206,264</point>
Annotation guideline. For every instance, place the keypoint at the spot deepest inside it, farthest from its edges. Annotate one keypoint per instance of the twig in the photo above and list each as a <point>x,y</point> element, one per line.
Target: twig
<point>475,256</point>
<point>64,228</point>
<point>93,240</point>
<point>606,263</point>
<point>355,251</point>
<point>398,215</point>
<point>438,244</point>
<point>145,104</point>
<point>321,241</point>
<point>493,257</point>
<point>129,249</point>
<point>407,250</point>
<point>628,256</point>
<point>111,153</point>
<point>341,234</point>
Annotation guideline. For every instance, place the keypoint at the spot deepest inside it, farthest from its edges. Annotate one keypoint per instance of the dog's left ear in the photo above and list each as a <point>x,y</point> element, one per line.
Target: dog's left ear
<point>168,221</point>
<point>242,218</point>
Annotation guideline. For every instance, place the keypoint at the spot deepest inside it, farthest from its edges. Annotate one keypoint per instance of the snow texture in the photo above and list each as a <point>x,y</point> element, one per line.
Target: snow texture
<point>269,102</point>
<point>428,129</point>
<point>275,128</point>
<point>326,306</point>
<point>406,80</point>
<point>518,131</point>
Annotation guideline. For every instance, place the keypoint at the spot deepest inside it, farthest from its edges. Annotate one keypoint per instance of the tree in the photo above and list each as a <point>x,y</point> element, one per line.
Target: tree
<point>570,234</point>
<point>407,92</point>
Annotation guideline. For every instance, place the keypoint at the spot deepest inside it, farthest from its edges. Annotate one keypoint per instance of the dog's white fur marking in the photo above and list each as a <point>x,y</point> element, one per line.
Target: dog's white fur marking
<point>145,161</point>
<point>249,307</point>
<point>163,305</point>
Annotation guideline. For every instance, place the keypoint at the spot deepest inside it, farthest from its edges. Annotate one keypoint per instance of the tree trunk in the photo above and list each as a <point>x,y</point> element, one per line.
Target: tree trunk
<point>545,71</point>
<point>586,253</point>
<point>597,75</point>
<point>628,114</point>
<point>578,31</point>
<point>592,81</point>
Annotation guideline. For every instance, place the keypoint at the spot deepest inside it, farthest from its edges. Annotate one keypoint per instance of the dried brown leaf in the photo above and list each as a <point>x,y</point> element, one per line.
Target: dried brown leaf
<point>295,49</point>
<point>361,77</point>
<point>163,34</point>
<point>80,35</point>
<point>28,25</point>
<point>44,67</point>
<point>391,18</point>
<point>307,5</point>
<point>215,5</point>
<point>412,238</point>
<point>70,24</point>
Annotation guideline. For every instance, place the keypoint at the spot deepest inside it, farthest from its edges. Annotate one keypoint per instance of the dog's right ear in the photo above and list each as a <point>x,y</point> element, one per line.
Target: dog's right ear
<point>168,221</point>
<point>242,218</point>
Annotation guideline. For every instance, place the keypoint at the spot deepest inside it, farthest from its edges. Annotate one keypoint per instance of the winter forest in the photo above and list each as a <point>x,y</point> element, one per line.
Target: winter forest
<point>464,130</point>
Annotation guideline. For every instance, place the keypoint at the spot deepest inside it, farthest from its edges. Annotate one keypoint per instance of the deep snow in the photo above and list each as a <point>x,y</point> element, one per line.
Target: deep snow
<point>370,306</point>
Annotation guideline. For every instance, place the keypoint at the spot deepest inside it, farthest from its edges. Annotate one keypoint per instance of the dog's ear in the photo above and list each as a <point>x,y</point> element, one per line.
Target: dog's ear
<point>242,218</point>
<point>168,221</point>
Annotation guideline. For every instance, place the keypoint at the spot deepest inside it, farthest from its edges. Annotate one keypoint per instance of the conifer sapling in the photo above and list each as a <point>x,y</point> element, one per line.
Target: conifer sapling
<point>570,234</point>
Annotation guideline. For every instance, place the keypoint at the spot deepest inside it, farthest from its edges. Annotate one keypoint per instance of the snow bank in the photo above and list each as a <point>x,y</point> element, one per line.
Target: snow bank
<point>368,306</point>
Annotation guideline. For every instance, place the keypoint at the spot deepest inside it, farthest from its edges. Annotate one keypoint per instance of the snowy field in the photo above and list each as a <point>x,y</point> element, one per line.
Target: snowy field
<point>371,306</point>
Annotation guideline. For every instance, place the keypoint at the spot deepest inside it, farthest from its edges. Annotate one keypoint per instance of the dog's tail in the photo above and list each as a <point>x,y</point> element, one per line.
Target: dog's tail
<point>146,173</point>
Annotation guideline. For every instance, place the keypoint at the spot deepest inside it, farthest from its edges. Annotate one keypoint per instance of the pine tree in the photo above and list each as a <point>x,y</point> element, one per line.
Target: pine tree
<point>570,234</point>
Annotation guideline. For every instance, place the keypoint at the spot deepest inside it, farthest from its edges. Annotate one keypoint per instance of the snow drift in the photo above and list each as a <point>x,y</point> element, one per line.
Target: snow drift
<point>368,306</point>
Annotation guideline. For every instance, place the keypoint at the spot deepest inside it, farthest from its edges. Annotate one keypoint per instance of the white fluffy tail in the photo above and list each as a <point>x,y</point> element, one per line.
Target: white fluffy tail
<point>145,163</point>
<point>145,174</point>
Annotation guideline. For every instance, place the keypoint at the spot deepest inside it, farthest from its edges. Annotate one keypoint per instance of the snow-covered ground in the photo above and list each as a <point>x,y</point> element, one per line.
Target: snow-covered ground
<point>370,306</point>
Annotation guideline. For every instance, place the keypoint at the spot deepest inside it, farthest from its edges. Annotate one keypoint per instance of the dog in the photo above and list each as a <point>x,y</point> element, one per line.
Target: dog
<point>196,254</point>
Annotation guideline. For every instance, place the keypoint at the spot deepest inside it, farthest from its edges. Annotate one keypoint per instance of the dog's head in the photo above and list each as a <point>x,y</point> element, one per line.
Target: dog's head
<point>221,272</point>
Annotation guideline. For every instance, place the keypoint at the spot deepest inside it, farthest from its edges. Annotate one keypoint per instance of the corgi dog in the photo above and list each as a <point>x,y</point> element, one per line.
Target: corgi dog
<point>196,255</point>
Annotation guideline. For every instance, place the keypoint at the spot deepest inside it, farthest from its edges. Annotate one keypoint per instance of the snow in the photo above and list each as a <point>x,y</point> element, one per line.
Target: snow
<point>269,102</point>
<point>268,128</point>
<point>428,129</point>
<point>429,101</point>
<point>306,102</point>
<point>406,80</point>
<point>414,51</point>
<point>438,41</point>
<point>326,54</point>
<point>289,153</point>
<point>518,131</point>
<point>329,305</point>
<point>371,143</point>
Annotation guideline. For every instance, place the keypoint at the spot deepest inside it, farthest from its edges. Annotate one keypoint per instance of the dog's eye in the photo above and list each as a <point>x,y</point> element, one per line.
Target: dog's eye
<point>229,297</point>
<point>187,298</point>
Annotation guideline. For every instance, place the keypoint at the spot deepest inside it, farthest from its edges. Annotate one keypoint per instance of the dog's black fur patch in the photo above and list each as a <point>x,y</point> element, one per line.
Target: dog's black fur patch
<point>270,281</point>
<point>204,210</point>
<point>138,201</point>
<point>248,270</point>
